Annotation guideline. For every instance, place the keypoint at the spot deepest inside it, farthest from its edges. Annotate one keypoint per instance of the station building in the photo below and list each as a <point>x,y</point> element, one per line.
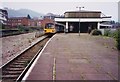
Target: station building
<point>76,21</point>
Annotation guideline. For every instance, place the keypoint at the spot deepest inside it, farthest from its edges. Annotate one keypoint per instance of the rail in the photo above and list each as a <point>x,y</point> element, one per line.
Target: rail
<point>15,69</point>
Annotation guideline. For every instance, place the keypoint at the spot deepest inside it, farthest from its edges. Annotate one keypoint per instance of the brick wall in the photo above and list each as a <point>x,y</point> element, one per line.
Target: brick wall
<point>15,21</point>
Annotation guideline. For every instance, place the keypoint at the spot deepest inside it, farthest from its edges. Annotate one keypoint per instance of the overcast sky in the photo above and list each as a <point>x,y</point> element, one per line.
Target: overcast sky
<point>108,8</point>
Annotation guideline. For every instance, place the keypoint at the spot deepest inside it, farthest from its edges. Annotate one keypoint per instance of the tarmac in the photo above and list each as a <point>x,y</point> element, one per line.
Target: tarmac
<point>74,57</point>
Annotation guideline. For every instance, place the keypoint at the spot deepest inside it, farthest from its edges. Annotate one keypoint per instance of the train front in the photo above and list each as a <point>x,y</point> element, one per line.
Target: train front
<point>50,28</point>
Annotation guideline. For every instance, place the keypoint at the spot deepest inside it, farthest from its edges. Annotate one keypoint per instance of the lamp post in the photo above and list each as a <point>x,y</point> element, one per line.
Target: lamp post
<point>79,18</point>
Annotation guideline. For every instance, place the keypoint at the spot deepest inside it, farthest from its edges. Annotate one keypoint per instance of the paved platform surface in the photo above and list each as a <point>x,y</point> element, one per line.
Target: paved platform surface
<point>76,58</point>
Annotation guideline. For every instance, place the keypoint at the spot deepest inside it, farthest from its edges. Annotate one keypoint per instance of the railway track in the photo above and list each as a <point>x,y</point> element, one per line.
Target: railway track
<point>14,70</point>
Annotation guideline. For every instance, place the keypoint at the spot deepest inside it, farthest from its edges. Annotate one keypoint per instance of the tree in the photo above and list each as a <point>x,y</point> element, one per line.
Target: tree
<point>28,16</point>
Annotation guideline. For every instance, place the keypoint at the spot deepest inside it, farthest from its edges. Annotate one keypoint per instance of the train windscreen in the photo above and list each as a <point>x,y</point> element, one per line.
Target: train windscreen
<point>49,25</point>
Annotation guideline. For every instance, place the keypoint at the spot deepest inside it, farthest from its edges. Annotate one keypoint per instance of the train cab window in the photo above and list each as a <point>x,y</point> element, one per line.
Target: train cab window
<point>49,25</point>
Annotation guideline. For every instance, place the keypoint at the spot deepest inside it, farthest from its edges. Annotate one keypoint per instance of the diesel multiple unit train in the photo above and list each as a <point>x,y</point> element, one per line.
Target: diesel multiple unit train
<point>51,28</point>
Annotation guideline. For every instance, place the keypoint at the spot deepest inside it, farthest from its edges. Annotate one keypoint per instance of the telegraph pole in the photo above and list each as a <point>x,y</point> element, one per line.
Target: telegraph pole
<point>79,18</point>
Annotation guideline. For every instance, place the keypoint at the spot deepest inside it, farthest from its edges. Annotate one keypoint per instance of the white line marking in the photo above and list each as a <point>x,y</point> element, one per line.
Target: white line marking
<point>32,66</point>
<point>54,69</point>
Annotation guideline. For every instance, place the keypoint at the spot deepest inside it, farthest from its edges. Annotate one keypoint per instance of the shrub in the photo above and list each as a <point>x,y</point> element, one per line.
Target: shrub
<point>24,29</point>
<point>21,28</point>
<point>115,34</point>
<point>96,32</point>
<point>107,32</point>
<point>118,39</point>
<point>0,26</point>
<point>111,33</point>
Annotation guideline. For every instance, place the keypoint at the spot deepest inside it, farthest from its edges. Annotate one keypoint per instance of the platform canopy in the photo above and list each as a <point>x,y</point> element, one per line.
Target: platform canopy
<point>81,19</point>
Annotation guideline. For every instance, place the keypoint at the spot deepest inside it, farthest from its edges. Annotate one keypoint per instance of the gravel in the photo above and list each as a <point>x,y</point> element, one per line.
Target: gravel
<point>13,45</point>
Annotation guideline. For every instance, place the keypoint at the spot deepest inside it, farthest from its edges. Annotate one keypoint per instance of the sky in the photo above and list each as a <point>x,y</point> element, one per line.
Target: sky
<point>109,8</point>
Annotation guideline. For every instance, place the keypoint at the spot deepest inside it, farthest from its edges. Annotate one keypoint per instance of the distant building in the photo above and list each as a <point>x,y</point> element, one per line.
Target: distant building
<point>86,20</point>
<point>50,16</point>
<point>35,22</point>
<point>15,21</point>
<point>23,21</point>
<point>3,16</point>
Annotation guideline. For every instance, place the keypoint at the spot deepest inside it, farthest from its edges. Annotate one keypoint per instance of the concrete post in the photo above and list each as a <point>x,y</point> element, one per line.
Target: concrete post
<point>66,26</point>
<point>98,25</point>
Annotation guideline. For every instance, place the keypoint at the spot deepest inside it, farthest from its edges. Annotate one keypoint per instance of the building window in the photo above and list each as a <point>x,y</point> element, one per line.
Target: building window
<point>19,20</point>
<point>19,23</point>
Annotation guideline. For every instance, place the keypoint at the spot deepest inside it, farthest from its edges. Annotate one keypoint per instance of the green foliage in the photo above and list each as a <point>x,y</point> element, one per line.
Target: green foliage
<point>24,29</point>
<point>21,28</point>
<point>107,32</point>
<point>0,26</point>
<point>28,16</point>
<point>96,32</point>
<point>110,33</point>
<point>118,39</point>
<point>115,34</point>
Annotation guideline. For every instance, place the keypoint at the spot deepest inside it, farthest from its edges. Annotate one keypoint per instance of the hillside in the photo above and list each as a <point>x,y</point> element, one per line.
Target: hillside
<point>23,13</point>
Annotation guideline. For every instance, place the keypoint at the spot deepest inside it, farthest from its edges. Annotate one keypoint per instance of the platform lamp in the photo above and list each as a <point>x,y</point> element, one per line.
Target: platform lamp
<point>79,17</point>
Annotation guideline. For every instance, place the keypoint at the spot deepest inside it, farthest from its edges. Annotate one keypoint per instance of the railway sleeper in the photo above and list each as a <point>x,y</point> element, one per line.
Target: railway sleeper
<point>10,72</point>
<point>25,59</point>
<point>9,76</point>
<point>14,69</point>
<point>8,80</point>
<point>27,56</point>
<point>16,66</point>
<point>21,61</point>
<point>16,63</point>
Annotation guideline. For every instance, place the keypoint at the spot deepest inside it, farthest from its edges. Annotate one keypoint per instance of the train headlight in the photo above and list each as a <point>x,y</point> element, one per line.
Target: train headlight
<point>53,30</point>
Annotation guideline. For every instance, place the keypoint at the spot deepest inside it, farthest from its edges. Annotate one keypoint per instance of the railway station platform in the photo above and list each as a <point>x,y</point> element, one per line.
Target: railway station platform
<point>74,57</point>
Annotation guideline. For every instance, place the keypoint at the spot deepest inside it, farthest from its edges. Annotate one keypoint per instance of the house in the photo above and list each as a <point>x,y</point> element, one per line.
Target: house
<point>3,16</point>
<point>15,21</point>
<point>35,22</point>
